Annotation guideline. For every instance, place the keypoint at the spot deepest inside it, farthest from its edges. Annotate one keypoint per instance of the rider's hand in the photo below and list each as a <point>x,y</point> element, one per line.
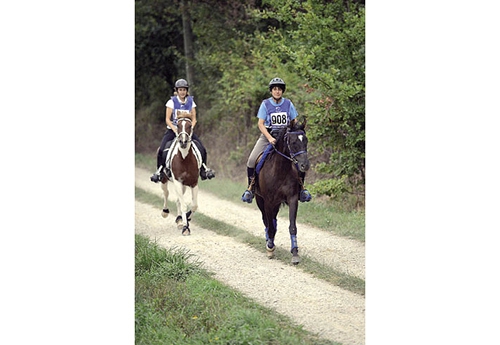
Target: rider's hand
<point>272,140</point>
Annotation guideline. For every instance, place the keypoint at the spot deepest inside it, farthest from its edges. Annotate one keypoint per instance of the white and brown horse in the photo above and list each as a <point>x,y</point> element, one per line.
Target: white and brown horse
<point>184,161</point>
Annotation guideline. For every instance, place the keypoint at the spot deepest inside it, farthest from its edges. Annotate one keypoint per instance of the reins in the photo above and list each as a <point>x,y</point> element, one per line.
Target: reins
<point>292,154</point>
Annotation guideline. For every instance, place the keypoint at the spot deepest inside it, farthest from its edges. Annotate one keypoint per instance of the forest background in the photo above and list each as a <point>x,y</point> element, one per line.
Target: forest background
<point>229,51</point>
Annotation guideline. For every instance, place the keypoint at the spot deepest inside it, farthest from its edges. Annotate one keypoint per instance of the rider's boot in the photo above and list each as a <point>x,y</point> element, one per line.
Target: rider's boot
<point>162,170</point>
<point>304,195</point>
<point>206,172</point>
<point>248,194</point>
<point>158,175</point>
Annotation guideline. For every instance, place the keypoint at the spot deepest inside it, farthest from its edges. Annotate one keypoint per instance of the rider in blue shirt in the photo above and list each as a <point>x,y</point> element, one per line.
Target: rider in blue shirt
<point>274,113</point>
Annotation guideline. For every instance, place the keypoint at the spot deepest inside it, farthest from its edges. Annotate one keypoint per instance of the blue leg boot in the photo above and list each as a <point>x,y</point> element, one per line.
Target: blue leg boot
<point>305,195</point>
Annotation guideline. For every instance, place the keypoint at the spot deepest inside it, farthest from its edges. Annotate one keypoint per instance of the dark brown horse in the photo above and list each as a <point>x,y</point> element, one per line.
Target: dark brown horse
<point>184,161</point>
<point>278,182</point>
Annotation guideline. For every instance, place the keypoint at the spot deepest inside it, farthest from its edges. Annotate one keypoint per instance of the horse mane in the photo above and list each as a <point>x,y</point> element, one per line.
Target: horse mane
<point>184,115</point>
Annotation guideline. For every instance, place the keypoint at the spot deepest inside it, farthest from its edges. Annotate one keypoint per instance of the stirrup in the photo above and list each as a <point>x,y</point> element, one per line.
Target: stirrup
<point>210,173</point>
<point>247,196</point>
<point>155,178</point>
<point>305,196</point>
<point>160,173</point>
<point>206,173</point>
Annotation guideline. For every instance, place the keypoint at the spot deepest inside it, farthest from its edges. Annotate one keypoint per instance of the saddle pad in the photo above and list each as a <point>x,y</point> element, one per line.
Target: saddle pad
<point>265,154</point>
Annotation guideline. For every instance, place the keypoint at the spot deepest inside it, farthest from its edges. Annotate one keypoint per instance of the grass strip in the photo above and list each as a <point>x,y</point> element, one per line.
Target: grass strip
<point>178,302</point>
<point>307,264</point>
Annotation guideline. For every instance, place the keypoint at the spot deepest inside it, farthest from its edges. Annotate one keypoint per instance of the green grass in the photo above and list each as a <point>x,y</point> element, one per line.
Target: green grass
<point>324,214</point>
<point>307,264</point>
<point>171,306</point>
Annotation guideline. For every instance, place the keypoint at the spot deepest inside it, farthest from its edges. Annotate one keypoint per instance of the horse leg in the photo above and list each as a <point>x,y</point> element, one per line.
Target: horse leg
<point>179,203</point>
<point>292,214</point>
<point>185,212</point>
<point>194,199</point>
<point>165,211</point>
<point>184,208</point>
<point>270,247</point>
<point>178,219</point>
<point>271,230</point>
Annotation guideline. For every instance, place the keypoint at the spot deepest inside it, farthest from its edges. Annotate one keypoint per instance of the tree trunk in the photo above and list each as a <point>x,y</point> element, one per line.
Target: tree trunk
<point>188,44</point>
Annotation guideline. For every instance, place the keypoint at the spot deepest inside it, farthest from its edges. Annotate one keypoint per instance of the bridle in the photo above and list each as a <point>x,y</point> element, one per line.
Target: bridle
<point>183,130</point>
<point>292,154</point>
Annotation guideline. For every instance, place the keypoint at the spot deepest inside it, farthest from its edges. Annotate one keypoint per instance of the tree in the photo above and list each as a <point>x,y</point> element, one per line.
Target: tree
<point>237,47</point>
<point>318,48</point>
<point>187,33</point>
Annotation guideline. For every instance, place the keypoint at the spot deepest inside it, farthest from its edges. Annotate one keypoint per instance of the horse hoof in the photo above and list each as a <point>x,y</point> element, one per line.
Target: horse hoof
<point>165,212</point>
<point>186,231</point>
<point>270,252</point>
<point>178,221</point>
<point>295,260</point>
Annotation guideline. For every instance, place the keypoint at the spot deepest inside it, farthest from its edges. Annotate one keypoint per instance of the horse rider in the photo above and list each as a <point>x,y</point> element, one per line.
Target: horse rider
<point>275,112</point>
<point>181,102</point>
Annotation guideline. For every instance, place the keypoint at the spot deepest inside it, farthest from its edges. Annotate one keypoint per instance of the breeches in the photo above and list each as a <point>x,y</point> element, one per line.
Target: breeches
<point>258,148</point>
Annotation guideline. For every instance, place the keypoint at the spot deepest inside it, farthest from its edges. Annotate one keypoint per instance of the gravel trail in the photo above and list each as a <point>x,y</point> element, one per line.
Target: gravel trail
<point>322,308</point>
<point>344,255</point>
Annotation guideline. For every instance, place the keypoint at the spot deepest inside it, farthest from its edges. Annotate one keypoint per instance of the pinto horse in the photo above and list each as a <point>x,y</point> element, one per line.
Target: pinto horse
<point>184,161</point>
<point>278,182</point>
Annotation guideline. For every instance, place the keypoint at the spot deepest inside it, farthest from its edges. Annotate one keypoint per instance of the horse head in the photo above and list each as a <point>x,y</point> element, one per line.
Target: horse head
<point>296,142</point>
<point>184,131</point>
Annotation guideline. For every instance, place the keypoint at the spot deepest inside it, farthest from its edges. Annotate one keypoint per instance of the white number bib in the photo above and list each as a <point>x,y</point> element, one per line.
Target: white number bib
<point>279,119</point>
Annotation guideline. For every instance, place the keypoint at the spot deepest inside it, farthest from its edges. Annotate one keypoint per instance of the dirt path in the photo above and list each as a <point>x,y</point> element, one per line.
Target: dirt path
<point>320,307</point>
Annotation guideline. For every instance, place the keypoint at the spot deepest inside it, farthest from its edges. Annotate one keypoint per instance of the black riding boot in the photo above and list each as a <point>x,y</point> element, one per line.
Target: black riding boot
<point>205,172</point>
<point>160,165</point>
<point>248,194</point>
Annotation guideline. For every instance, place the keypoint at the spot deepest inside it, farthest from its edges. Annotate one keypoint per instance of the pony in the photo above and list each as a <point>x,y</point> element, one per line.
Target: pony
<point>184,160</point>
<point>278,182</point>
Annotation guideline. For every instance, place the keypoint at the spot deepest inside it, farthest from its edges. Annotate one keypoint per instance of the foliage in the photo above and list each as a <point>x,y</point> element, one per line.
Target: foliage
<point>324,44</point>
<point>330,187</point>
<point>157,47</point>
<point>317,47</point>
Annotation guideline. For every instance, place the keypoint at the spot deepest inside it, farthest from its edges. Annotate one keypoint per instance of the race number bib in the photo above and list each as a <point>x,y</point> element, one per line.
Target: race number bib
<point>183,113</point>
<point>279,119</point>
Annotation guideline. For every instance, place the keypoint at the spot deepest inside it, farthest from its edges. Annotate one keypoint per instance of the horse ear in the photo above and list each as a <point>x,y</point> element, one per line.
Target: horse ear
<point>300,125</point>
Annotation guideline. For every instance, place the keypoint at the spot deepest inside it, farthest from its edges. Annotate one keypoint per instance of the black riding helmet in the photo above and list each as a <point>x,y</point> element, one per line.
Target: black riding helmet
<point>277,82</point>
<point>181,83</point>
